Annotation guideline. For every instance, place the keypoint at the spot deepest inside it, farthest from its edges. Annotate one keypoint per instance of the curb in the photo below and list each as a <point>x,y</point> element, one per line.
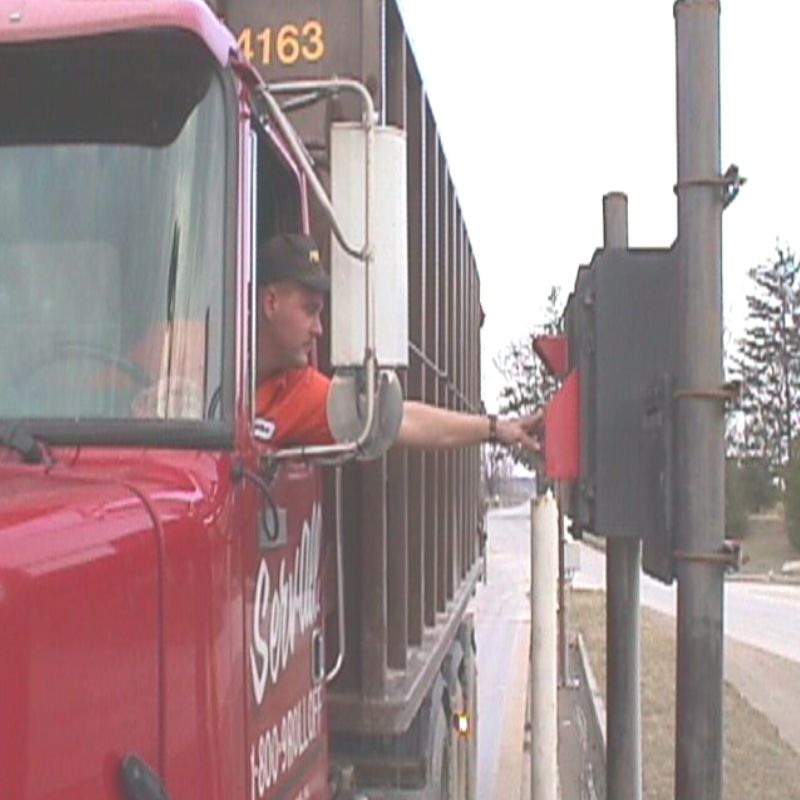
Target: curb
<point>774,578</point>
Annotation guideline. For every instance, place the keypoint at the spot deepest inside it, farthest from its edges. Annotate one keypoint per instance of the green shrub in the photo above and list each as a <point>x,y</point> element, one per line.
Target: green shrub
<point>792,500</point>
<point>735,500</point>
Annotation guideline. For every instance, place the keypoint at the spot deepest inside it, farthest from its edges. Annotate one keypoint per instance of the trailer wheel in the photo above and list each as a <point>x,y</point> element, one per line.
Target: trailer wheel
<point>440,787</point>
<point>444,780</point>
<point>445,784</point>
<point>470,684</point>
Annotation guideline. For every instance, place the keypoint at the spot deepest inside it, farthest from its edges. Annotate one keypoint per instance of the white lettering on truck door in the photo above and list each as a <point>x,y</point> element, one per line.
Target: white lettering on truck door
<point>286,608</point>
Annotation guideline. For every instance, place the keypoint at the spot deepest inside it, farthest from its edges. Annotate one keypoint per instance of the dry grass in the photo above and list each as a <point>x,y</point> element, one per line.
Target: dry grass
<point>758,763</point>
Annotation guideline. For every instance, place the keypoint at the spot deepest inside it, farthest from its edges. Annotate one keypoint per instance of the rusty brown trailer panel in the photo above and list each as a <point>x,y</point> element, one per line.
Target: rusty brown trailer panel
<point>411,519</point>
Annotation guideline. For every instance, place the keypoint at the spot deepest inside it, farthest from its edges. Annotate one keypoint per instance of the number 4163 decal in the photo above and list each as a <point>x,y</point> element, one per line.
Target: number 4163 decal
<point>286,45</point>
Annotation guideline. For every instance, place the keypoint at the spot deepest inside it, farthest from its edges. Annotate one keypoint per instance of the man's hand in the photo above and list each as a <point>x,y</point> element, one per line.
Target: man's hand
<point>433,428</point>
<point>523,431</point>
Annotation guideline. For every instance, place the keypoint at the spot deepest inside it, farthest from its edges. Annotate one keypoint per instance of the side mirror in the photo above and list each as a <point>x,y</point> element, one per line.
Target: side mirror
<point>347,410</point>
<point>379,218</point>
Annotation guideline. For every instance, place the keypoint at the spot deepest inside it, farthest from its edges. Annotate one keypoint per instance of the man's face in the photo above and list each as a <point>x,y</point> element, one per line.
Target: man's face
<point>290,323</point>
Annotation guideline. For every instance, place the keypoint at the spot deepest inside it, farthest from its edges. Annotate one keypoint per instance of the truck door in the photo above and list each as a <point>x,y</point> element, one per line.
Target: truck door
<point>282,556</point>
<point>286,736</point>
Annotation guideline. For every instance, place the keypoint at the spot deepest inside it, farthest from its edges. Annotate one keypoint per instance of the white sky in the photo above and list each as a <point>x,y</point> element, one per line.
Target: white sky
<point>545,107</point>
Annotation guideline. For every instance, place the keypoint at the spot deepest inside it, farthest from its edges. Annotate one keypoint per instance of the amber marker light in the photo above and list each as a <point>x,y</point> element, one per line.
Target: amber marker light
<point>461,723</point>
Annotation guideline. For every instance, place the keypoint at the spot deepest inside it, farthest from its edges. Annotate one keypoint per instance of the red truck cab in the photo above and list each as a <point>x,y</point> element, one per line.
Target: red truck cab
<point>161,620</point>
<point>167,579</point>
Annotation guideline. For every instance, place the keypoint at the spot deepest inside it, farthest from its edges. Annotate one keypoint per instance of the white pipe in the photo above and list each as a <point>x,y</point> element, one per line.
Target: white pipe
<point>544,648</point>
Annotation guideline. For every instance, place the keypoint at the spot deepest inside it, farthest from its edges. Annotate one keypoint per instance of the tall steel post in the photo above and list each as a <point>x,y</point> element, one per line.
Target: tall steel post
<point>563,632</point>
<point>623,568</point>
<point>544,644</point>
<point>700,423</point>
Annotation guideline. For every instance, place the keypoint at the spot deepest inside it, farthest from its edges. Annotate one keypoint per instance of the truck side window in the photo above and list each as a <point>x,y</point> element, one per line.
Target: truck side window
<point>278,200</point>
<point>278,208</point>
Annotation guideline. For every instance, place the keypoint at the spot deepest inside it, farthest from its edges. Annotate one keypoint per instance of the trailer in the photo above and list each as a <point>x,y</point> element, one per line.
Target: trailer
<point>186,612</point>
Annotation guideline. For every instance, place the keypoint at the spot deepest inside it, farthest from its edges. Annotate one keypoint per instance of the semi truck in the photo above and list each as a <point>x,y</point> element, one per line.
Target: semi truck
<point>187,611</point>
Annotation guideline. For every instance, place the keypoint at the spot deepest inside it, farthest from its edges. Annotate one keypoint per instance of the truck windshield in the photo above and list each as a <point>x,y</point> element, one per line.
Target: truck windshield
<point>112,229</point>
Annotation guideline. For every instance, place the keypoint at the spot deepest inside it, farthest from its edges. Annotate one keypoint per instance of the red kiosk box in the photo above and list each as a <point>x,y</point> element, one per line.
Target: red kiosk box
<point>562,413</point>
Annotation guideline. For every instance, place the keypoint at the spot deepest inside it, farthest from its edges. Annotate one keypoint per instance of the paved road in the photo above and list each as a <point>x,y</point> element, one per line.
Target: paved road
<point>502,631</point>
<point>761,615</point>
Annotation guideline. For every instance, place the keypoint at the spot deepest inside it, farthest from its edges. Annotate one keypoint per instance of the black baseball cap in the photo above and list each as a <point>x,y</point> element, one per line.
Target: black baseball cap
<point>292,257</point>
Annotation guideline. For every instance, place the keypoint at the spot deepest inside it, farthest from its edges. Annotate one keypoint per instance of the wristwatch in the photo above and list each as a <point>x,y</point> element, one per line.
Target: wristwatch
<point>493,428</point>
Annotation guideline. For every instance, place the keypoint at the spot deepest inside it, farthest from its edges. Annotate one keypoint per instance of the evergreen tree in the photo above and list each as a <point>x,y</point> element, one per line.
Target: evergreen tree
<point>792,498</point>
<point>769,361</point>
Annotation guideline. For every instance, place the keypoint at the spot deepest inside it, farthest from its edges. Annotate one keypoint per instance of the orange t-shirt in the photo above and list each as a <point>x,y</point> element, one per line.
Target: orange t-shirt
<point>295,402</point>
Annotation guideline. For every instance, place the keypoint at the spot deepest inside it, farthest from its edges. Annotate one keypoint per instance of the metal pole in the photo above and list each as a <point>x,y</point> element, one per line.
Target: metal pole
<point>623,567</point>
<point>563,633</point>
<point>544,645</point>
<point>700,423</point>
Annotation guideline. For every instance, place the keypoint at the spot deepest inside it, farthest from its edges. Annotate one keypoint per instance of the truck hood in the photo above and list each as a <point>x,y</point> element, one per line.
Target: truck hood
<point>80,617</point>
<point>47,520</point>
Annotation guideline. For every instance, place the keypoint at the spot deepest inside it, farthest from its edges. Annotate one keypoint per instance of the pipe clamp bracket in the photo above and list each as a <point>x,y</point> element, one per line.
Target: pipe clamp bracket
<point>729,184</point>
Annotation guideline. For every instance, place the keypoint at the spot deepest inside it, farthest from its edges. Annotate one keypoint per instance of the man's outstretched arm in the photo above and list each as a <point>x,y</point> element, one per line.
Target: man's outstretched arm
<point>430,427</point>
